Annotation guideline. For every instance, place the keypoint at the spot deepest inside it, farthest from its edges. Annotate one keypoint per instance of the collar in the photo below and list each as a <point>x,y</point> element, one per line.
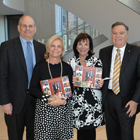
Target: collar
<point>24,41</point>
<point>122,48</point>
<point>78,59</point>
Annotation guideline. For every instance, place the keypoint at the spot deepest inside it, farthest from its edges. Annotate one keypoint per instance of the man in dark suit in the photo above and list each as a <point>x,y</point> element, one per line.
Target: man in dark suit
<point>121,105</point>
<point>87,75</point>
<point>55,88</point>
<point>17,104</point>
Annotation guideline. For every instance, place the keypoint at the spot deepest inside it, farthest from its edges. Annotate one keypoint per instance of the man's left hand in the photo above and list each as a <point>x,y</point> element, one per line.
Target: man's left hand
<point>132,108</point>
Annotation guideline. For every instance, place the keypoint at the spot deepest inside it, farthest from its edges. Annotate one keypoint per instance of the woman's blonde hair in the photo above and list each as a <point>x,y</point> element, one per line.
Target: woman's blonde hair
<point>48,44</point>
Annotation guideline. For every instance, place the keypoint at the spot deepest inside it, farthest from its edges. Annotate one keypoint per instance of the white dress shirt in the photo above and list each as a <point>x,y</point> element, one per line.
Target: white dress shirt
<point>114,52</point>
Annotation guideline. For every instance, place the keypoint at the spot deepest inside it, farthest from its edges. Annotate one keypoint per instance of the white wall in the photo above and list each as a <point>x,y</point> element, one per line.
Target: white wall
<point>42,11</point>
<point>44,14</point>
<point>104,44</point>
<point>2,32</point>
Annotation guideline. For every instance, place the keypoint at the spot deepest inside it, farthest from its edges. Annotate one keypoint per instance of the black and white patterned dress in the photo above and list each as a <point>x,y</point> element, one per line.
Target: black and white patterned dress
<point>51,122</point>
<point>87,106</point>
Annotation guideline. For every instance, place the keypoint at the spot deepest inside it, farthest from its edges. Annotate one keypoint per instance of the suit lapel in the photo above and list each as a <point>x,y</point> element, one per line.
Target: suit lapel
<point>126,58</point>
<point>36,51</point>
<point>19,50</point>
<point>109,57</point>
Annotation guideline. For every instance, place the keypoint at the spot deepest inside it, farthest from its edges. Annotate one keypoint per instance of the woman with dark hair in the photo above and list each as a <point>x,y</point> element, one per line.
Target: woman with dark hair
<point>87,104</point>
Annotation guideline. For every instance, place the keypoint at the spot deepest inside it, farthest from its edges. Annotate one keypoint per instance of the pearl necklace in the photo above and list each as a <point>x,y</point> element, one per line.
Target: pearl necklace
<point>50,70</point>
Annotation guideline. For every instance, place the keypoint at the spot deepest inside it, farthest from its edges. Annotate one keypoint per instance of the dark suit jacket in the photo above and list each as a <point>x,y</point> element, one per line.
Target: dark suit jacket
<point>55,88</point>
<point>87,76</point>
<point>13,73</point>
<point>129,74</point>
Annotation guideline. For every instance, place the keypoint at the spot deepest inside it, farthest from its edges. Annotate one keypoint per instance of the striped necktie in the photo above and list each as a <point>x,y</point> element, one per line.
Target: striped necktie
<point>116,73</point>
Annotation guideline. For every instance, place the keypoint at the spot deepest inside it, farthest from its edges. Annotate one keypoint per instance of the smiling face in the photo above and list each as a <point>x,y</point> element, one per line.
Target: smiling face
<point>83,47</point>
<point>55,50</point>
<point>119,36</point>
<point>26,27</point>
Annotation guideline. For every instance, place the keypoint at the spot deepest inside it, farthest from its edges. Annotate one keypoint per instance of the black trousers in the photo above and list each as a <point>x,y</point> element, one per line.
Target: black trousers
<point>17,122</point>
<point>119,125</point>
<point>87,134</point>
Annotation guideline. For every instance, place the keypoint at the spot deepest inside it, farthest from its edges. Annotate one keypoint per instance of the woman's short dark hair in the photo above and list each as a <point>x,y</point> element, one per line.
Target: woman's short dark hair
<point>83,36</point>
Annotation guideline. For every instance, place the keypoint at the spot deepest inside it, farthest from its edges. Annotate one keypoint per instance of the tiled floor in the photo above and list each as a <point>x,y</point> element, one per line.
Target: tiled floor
<point>101,135</point>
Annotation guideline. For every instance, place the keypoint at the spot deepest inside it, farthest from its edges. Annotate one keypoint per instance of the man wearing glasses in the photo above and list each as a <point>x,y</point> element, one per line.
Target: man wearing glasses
<point>18,56</point>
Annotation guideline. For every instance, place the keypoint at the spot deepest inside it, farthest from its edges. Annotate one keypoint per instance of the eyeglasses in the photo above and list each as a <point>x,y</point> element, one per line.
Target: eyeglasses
<point>25,26</point>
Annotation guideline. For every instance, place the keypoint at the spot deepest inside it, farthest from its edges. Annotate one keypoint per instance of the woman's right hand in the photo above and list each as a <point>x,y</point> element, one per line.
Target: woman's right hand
<point>100,83</point>
<point>56,101</point>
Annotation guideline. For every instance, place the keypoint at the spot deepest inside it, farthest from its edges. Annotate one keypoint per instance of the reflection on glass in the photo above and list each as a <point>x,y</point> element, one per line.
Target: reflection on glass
<point>80,21</point>
<point>64,19</point>
<point>68,26</point>
<point>65,41</point>
<point>71,21</point>
<point>87,30</point>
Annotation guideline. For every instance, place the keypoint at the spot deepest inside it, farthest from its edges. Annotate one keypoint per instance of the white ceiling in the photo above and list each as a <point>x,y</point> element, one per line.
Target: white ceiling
<point>11,7</point>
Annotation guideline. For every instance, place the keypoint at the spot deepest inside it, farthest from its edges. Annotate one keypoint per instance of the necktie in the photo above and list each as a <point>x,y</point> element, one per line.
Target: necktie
<point>29,61</point>
<point>116,73</point>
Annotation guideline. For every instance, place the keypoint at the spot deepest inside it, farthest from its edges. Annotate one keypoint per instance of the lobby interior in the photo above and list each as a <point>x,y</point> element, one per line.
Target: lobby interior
<point>101,16</point>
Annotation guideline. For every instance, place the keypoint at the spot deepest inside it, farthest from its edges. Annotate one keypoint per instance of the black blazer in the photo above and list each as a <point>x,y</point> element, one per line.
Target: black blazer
<point>13,73</point>
<point>129,74</point>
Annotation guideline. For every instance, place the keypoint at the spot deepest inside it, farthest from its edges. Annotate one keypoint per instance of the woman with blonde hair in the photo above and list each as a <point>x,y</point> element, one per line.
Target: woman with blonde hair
<point>53,120</point>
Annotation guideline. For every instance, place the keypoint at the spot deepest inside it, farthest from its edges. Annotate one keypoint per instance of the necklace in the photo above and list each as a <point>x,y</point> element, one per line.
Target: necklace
<point>50,70</point>
<point>82,62</point>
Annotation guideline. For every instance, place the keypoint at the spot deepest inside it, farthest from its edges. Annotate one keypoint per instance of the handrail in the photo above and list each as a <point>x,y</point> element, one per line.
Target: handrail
<point>69,35</point>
